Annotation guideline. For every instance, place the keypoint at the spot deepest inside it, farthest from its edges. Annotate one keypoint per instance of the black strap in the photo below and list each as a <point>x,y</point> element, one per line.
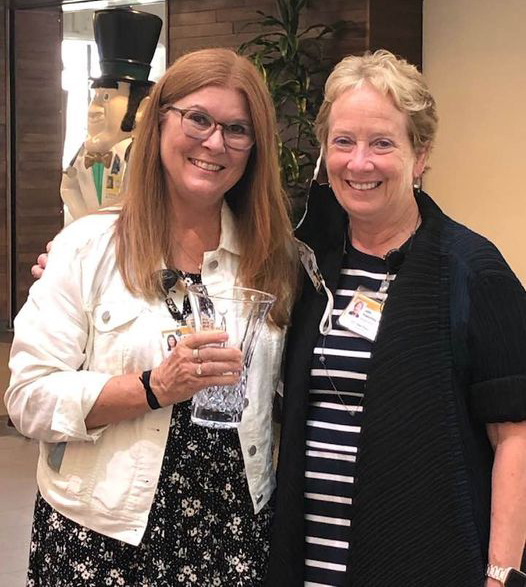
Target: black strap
<point>150,396</point>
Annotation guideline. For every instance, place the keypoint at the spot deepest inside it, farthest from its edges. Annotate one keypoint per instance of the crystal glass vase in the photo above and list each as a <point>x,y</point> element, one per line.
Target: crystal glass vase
<point>241,312</point>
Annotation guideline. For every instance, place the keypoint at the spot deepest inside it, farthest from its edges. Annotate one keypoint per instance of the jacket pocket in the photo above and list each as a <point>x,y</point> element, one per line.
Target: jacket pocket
<point>112,332</point>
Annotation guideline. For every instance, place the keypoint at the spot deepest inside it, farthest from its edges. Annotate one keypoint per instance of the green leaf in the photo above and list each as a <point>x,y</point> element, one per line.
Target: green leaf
<point>294,68</point>
<point>322,30</point>
<point>283,45</point>
<point>270,20</point>
<point>291,166</point>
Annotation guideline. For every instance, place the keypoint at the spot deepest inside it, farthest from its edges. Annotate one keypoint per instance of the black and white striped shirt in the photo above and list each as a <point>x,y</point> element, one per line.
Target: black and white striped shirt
<point>333,429</point>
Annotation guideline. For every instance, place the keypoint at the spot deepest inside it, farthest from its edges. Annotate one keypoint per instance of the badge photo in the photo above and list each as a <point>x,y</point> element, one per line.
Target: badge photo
<point>171,337</point>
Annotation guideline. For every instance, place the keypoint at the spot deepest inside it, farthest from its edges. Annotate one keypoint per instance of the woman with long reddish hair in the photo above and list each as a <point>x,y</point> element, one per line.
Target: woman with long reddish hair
<point>130,492</point>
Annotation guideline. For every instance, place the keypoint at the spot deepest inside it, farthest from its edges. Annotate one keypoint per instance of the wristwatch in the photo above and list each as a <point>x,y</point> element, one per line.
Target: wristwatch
<point>508,576</point>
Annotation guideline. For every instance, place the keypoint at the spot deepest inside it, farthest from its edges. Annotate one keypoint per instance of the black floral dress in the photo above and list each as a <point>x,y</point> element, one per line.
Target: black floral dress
<point>202,530</point>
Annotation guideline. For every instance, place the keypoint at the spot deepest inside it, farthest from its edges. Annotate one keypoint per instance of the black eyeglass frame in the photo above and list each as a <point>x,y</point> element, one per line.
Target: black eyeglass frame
<point>223,125</point>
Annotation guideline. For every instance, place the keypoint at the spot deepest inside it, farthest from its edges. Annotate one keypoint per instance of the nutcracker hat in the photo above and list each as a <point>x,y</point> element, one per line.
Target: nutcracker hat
<point>126,40</point>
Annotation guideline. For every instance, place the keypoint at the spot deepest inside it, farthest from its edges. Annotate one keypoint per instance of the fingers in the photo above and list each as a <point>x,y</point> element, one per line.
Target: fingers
<point>198,349</point>
<point>175,383</point>
<point>226,354</point>
<point>42,260</point>
<point>36,271</point>
<point>204,338</point>
<point>190,367</point>
<point>48,246</point>
<point>216,368</point>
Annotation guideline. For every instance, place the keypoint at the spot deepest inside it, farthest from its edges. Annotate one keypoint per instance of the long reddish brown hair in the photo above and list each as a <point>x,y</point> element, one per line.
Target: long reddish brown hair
<point>144,233</point>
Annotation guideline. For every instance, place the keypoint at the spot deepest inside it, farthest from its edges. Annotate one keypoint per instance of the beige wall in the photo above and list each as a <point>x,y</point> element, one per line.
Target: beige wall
<point>475,63</point>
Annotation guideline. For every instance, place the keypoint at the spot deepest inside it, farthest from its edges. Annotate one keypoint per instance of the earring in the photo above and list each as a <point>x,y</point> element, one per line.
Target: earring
<point>417,184</point>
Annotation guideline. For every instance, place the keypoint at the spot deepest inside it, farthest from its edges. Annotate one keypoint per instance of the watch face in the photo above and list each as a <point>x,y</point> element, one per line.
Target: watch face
<point>515,579</point>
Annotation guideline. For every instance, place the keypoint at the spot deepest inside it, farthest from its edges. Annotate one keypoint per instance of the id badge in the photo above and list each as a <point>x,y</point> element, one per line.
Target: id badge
<point>180,326</point>
<point>171,337</point>
<point>363,314</point>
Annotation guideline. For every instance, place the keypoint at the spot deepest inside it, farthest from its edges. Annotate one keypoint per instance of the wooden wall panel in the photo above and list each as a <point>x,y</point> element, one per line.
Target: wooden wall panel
<point>4,252</point>
<point>373,24</point>
<point>38,147</point>
<point>397,26</point>
<point>194,24</point>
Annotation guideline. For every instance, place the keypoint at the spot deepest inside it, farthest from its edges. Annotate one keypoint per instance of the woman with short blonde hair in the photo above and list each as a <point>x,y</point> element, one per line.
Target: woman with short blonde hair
<point>403,448</point>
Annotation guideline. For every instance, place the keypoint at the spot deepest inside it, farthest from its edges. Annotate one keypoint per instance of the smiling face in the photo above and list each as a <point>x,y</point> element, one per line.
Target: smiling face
<point>370,160</point>
<point>202,171</point>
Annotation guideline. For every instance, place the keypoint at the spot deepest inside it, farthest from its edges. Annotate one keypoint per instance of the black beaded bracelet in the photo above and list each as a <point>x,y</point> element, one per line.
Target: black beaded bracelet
<point>153,402</point>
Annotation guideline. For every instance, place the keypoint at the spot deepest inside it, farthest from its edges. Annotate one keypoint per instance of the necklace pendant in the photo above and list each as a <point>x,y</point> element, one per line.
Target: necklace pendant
<point>352,409</point>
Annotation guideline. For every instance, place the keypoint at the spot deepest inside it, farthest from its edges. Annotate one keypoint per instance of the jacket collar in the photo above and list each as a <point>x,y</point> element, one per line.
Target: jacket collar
<point>324,221</point>
<point>323,228</point>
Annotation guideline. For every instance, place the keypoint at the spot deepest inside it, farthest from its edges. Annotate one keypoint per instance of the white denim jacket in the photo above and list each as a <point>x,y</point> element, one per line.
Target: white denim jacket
<point>79,327</point>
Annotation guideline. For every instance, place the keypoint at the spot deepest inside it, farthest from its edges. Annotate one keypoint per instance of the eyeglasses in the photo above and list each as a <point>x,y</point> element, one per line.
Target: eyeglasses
<point>199,125</point>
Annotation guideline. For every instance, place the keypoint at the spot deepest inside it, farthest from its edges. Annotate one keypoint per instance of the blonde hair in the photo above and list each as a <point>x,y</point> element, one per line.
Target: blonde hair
<point>391,76</point>
<point>258,201</point>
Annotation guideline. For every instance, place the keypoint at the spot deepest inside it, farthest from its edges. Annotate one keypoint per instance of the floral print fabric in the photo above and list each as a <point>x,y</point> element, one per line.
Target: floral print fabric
<point>202,529</point>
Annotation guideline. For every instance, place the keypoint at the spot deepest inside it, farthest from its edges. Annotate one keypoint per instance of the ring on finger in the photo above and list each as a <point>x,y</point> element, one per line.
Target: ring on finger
<point>199,369</point>
<point>195,355</point>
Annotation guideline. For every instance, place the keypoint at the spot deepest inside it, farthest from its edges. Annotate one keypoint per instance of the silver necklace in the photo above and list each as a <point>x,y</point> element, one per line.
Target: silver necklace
<point>323,361</point>
<point>191,257</point>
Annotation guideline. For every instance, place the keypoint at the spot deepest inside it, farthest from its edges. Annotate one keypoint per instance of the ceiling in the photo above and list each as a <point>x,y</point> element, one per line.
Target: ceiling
<point>77,20</point>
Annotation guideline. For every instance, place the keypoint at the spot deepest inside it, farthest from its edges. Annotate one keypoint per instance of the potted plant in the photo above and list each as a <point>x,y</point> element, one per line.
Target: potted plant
<point>291,60</point>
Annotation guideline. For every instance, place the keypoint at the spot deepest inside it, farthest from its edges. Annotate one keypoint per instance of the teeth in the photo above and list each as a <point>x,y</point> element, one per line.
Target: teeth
<point>205,165</point>
<point>364,186</point>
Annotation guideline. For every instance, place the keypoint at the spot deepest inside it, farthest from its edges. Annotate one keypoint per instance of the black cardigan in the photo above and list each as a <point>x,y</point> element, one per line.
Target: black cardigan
<point>450,356</point>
